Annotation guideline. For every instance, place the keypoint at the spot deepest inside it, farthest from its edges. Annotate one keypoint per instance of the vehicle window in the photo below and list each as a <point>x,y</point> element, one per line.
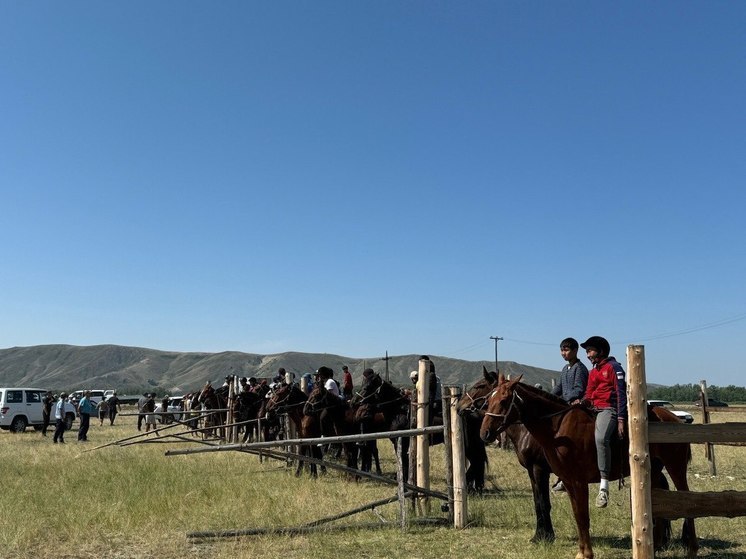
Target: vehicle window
<point>14,397</point>
<point>32,397</point>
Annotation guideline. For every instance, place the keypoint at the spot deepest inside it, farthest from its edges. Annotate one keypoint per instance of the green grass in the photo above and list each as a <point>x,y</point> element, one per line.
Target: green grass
<point>135,502</point>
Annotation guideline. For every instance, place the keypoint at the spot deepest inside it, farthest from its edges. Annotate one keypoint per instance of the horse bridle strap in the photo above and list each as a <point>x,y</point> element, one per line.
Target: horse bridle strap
<point>504,416</point>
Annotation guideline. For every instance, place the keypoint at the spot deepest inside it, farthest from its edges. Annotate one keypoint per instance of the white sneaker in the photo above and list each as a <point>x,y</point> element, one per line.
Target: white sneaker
<point>602,499</point>
<point>559,486</point>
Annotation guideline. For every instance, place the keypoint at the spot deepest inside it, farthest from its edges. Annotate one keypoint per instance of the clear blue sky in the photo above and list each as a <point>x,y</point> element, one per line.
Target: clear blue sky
<point>362,177</point>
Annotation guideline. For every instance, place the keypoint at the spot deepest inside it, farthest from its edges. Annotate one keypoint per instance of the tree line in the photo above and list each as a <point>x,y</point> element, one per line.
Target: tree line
<point>686,393</point>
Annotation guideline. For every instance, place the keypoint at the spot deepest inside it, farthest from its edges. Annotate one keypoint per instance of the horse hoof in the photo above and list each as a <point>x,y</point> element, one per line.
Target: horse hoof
<point>542,538</point>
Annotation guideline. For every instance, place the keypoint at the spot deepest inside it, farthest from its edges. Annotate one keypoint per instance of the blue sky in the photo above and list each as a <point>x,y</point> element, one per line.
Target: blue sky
<point>362,177</point>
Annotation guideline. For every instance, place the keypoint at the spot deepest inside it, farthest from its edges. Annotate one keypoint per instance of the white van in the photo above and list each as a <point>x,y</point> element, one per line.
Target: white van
<point>21,407</point>
<point>96,396</point>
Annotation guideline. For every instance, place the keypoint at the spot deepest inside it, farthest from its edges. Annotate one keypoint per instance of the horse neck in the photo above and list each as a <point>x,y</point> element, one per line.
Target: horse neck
<point>541,415</point>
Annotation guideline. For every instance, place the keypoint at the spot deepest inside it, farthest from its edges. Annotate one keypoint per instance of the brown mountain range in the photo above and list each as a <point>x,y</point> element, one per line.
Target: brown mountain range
<point>133,370</point>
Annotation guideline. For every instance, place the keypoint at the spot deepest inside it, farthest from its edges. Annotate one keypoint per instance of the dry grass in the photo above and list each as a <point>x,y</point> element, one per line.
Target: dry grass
<point>134,502</point>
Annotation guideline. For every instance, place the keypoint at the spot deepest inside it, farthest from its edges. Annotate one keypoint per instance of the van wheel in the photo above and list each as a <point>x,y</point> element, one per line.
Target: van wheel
<point>69,419</point>
<point>18,424</point>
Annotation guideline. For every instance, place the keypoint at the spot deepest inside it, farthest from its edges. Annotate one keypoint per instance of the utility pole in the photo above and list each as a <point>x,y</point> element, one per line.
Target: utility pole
<point>386,359</point>
<point>497,339</point>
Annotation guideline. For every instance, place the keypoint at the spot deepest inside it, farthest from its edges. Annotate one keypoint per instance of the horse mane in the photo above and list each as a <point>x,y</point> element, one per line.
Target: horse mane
<point>542,393</point>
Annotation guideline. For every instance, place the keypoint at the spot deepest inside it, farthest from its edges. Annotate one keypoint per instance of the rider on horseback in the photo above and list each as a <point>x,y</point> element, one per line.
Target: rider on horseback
<point>607,394</point>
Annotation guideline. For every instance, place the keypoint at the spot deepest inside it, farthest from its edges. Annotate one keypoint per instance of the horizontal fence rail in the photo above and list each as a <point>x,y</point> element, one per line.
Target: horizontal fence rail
<point>699,433</point>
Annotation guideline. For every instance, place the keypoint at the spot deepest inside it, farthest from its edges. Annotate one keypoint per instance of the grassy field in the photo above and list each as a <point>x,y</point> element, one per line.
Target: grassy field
<point>69,501</point>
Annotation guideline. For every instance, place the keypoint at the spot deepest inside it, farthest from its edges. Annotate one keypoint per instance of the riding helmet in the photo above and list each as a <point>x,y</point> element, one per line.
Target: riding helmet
<point>599,344</point>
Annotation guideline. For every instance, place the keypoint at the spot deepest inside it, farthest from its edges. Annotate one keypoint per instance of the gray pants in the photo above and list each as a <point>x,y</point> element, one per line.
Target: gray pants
<point>606,426</point>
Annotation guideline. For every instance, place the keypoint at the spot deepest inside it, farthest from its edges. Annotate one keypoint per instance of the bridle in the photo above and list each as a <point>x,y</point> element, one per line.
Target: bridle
<point>506,422</point>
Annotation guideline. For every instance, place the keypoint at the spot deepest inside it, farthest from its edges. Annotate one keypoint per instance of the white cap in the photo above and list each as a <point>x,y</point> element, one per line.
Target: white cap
<point>413,375</point>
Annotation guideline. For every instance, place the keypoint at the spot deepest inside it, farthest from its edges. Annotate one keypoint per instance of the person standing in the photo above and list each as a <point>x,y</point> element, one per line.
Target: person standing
<point>347,387</point>
<point>103,410</point>
<point>606,393</point>
<point>114,407</point>
<point>141,410</point>
<point>149,408</point>
<point>46,412</point>
<point>59,418</point>
<point>85,409</point>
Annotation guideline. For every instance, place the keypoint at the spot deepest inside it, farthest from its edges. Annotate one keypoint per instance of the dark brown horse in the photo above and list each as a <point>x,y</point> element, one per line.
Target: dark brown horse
<point>472,406</point>
<point>290,400</point>
<point>246,408</point>
<point>566,434</point>
<point>379,407</point>
<point>335,418</point>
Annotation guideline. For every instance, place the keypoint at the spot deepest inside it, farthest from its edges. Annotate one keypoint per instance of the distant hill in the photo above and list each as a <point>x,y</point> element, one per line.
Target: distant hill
<point>133,369</point>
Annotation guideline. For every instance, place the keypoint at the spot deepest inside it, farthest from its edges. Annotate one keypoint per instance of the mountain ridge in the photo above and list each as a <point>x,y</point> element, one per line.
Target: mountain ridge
<point>135,369</point>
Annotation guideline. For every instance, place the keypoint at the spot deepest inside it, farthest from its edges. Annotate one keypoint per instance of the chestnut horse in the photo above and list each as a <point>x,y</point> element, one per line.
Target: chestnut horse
<point>471,407</point>
<point>213,400</point>
<point>566,434</point>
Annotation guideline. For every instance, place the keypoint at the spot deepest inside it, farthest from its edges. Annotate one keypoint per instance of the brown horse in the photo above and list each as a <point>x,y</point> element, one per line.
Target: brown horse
<point>213,400</point>
<point>471,407</point>
<point>566,434</point>
<point>335,417</point>
<point>290,400</point>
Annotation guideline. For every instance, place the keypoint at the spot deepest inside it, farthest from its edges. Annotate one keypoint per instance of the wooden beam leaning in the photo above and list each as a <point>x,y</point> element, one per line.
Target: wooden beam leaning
<point>314,440</point>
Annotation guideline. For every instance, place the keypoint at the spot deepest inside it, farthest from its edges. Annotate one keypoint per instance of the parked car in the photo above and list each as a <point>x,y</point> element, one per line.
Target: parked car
<point>96,396</point>
<point>23,407</point>
<point>173,411</point>
<point>711,403</point>
<point>686,417</point>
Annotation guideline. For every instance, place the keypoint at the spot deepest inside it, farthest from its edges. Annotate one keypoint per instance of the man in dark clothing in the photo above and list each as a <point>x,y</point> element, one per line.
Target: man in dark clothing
<point>114,406</point>
<point>574,376</point>
<point>46,412</point>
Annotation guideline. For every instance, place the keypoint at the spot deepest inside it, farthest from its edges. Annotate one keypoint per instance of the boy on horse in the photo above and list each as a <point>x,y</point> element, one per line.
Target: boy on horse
<point>607,394</point>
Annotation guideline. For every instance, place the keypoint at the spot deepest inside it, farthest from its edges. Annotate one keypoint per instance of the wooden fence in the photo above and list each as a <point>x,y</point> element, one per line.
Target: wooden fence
<point>659,503</point>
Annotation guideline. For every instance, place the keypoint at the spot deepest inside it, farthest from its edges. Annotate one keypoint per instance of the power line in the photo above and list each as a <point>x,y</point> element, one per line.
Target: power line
<point>663,335</point>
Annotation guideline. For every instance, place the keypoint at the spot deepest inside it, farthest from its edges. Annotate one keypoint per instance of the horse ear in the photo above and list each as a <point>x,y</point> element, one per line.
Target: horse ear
<point>485,373</point>
<point>519,378</point>
<point>501,378</point>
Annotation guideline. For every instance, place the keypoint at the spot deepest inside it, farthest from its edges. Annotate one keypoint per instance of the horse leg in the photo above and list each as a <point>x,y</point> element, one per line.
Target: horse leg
<point>661,526</point>
<point>676,458</point>
<point>374,453</point>
<point>539,476</point>
<point>578,493</point>
<point>476,454</point>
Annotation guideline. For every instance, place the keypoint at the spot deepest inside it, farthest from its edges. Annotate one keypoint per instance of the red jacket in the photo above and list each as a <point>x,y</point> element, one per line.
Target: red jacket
<point>606,387</point>
<point>347,383</point>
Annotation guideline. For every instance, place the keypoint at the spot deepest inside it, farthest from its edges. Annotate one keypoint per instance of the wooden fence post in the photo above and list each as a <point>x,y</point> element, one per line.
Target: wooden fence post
<point>423,446</point>
<point>448,398</point>
<point>459,464</point>
<point>642,506</point>
<point>709,447</point>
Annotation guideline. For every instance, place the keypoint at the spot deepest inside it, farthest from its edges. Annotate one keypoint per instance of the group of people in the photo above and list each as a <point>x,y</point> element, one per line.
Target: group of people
<point>604,390</point>
<point>107,408</point>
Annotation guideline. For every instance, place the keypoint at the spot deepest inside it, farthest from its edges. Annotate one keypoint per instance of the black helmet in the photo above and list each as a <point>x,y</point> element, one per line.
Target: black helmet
<point>599,344</point>
<point>252,380</point>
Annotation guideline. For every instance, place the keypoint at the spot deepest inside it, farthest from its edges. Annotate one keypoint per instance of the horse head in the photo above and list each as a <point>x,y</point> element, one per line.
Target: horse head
<point>502,409</point>
<point>474,401</point>
<point>317,400</point>
<point>283,399</point>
